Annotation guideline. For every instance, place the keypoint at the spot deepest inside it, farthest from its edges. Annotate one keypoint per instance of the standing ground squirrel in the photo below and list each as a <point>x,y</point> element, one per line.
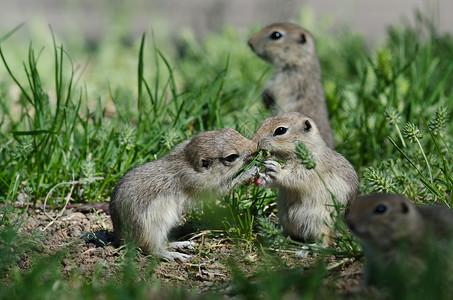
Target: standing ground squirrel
<point>150,199</point>
<point>304,204</point>
<point>296,83</point>
<point>399,237</point>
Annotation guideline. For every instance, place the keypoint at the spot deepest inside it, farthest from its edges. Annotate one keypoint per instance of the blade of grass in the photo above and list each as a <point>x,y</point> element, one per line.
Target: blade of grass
<point>140,77</point>
<point>15,29</point>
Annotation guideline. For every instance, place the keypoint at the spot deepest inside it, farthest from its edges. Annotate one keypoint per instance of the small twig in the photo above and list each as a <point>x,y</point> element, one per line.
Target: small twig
<point>68,197</point>
<point>89,250</point>
<point>204,232</point>
<point>336,265</point>
<point>174,277</point>
<point>280,250</point>
<point>216,246</point>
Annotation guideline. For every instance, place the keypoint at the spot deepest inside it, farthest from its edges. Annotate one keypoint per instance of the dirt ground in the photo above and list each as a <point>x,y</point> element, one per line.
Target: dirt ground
<point>87,230</point>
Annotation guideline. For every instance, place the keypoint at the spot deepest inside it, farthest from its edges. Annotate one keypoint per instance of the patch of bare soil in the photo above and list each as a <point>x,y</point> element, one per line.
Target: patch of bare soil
<point>85,231</point>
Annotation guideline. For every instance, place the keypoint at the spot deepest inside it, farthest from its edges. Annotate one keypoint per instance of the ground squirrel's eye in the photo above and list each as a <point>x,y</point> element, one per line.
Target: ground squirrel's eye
<point>231,158</point>
<point>307,126</point>
<point>380,209</point>
<point>275,35</point>
<point>303,40</point>
<point>280,131</point>
<point>205,164</point>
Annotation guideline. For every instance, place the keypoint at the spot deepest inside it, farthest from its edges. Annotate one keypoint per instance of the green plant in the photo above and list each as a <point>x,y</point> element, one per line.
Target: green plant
<point>407,175</point>
<point>243,212</point>
<point>65,120</point>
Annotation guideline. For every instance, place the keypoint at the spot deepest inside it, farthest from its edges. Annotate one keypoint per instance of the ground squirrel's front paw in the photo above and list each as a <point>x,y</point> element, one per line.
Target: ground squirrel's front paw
<point>273,168</point>
<point>263,180</point>
<point>251,173</point>
<point>246,176</point>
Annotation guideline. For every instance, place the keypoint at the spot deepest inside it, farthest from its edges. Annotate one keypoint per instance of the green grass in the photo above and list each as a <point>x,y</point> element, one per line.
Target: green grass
<point>389,109</point>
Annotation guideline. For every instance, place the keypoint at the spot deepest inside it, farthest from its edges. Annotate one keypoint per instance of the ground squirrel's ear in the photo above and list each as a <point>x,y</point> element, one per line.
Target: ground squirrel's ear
<point>268,99</point>
<point>307,126</point>
<point>303,39</point>
<point>404,208</point>
<point>205,163</point>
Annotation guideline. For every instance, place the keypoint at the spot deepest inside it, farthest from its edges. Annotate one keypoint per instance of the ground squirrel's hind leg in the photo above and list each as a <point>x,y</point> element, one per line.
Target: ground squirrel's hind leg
<point>305,251</point>
<point>173,256</point>
<point>182,245</point>
<point>325,241</point>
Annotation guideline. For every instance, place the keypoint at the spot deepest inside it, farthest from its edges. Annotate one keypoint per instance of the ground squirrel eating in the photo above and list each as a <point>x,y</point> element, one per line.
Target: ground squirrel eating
<point>296,82</point>
<point>304,203</point>
<point>400,238</point>
<point>150,199</point>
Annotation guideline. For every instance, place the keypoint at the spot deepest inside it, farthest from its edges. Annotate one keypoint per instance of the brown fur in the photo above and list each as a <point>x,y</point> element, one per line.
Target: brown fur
<point>396,234</point>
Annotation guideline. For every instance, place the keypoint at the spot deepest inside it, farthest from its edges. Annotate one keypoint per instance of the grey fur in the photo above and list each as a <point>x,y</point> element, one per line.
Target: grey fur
<point>296,84</point>
<point>304,204</point>
<point>150,199</point>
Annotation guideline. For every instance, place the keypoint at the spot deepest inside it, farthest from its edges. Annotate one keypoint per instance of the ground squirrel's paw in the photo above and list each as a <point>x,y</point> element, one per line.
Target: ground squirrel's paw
<point>252,172</point>
<point>273,168</point>
<point>263,180</point>
<point>245,177</point>
<point>301,254</point>
<point>182,245</point>
<point>175,256</point>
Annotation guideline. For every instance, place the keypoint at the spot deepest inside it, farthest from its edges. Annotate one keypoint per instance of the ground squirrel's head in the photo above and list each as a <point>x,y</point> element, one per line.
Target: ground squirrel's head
<point>285,45</point>
<point>217,158</point>
<point>381,220</point>
<point>280,135</point>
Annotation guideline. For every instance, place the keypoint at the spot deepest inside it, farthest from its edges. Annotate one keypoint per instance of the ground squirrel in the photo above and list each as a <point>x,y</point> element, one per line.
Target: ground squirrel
<point>304,204</point>
<point>399,238</point>
<point>150,199</point>
<point>296,83</point>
